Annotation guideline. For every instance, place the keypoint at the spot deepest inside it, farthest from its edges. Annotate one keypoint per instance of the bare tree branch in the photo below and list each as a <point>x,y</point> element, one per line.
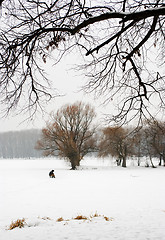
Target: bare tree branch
<point>118,37</point>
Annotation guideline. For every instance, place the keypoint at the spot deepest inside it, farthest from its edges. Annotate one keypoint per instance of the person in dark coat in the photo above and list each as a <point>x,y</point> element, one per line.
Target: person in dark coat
<point>51,174</point>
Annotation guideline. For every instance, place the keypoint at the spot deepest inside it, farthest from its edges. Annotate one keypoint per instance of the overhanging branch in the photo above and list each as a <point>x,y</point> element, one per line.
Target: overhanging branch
<point>136,16</point>
<point>110,39</point>
<point>144,39</point>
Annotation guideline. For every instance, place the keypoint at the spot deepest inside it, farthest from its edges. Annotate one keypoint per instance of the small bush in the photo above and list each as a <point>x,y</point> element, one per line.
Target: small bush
<point>20,223</point>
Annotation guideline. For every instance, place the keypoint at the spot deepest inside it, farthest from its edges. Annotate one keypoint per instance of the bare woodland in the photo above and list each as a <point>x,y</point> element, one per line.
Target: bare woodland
<point>71,134</point>
<point>121,44</point>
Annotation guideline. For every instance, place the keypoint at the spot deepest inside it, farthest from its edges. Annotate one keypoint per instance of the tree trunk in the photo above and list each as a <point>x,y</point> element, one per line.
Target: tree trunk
<point>164,157</point>
<point>73,164</point>
<point>138,161</point>
<point>152,162</point>
<point>75,161</point>
<point>160,160</point>
<point>124,162</point>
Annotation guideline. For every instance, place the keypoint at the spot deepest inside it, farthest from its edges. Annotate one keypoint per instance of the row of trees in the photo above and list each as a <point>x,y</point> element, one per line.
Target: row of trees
<point>123,142</point>
<point>19,144</point>
<point>71,134</point>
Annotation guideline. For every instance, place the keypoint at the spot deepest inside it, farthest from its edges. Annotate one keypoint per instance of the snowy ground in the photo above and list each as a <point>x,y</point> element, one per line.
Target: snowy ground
<point>132,199</point>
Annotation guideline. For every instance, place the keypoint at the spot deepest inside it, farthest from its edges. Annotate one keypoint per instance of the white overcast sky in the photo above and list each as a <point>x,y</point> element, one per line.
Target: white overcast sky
<point>68,84</point>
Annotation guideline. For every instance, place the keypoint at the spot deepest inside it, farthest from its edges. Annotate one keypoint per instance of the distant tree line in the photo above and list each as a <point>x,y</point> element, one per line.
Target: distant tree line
<point>70,133</point>
<point>125,142</point>
<point>19,144</point>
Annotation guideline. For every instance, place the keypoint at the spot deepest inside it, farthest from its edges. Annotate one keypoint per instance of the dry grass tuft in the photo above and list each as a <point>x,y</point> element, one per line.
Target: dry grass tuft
<point>80,217</point>
<point>20,223</point>
<point>60,219</point>
<point>95,215</point>
<point>106,218</point>
<point>46,218</point>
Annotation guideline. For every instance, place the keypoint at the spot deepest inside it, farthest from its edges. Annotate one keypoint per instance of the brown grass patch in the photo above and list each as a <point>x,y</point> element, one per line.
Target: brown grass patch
<point>46,218</point>
<point>20,223</point>
<point>80,217</point>
<point>95,215</point>
<point>60,219</point>
<point>106,218</point>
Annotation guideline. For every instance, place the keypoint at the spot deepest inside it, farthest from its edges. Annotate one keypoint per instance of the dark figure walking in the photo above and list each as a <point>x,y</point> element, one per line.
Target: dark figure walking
<point>51,174</point>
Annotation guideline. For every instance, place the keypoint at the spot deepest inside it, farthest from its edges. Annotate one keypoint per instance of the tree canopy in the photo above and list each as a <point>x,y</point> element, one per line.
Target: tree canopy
<point>121,43</point>
<point>69,133</point>
<point>116,141</point>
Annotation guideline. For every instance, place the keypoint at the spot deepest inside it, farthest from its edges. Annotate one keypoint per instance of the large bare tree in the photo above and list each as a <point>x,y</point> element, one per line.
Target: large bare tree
<point>122,43</point>
<point>69,133</point>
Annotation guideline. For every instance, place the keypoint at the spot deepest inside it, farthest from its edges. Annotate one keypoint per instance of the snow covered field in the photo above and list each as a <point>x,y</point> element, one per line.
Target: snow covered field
<point>129,204</point>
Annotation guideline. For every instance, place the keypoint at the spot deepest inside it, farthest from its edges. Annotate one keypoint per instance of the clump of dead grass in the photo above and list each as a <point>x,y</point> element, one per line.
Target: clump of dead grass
<point>80,217</point>
<point>60,219</point>
<point>19,223</point>
<point>95,215</point>
<point>106,218</point>
<point>45,218</point>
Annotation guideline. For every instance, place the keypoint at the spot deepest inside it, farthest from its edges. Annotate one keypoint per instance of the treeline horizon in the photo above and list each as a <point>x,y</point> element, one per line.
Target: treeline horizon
<point>20,144</point>
<point>115,142</point>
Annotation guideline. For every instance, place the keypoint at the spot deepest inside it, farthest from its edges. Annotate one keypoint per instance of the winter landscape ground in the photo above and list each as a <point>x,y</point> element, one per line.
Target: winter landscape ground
<point>119,203</point>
